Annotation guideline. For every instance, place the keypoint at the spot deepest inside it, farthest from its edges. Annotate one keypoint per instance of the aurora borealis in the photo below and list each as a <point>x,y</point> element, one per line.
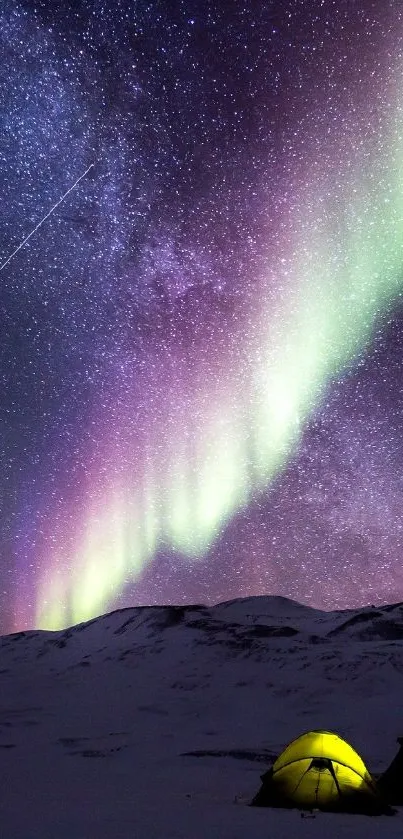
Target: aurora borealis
<point>202,347</point>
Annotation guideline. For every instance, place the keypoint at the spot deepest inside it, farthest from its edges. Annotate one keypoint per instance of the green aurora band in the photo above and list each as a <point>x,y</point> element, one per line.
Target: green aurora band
<point>343,268</point>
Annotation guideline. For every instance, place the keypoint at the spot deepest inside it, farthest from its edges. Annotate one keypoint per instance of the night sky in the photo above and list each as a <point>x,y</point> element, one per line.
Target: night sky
<point>202,345</point>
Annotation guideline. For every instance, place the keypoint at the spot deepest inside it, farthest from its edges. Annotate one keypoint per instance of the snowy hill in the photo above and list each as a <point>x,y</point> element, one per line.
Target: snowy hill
<point>158,721</point>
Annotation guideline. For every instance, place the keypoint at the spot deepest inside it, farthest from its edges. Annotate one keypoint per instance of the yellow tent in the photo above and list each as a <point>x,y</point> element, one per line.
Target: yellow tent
<point>319,770</point>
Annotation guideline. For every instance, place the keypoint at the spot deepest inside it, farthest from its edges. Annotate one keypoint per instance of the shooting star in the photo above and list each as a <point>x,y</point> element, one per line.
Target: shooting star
<point>45,217</point>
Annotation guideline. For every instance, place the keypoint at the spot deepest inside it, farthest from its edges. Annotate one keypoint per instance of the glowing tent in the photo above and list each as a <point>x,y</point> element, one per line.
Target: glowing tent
<point>319,770</point>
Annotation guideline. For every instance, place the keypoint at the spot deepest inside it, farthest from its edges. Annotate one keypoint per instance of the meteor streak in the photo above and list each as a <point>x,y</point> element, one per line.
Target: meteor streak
<point>45,217</point>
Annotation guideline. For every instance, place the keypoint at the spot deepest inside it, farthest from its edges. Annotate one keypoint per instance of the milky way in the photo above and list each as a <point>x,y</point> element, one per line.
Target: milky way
<point>201,347</point>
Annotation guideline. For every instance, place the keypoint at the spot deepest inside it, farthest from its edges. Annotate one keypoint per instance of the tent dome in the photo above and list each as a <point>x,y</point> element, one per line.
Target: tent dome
<point>319,770</point>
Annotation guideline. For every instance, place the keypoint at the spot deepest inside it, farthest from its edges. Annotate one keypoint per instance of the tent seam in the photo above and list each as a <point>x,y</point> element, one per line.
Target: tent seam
<point>313,757</point>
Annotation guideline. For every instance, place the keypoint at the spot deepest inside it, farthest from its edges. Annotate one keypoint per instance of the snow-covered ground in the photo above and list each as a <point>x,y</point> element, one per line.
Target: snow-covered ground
<point>157,722</point>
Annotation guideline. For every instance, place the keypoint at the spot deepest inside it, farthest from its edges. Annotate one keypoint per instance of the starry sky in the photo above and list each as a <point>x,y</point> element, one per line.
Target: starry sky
<point>202,344</point>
